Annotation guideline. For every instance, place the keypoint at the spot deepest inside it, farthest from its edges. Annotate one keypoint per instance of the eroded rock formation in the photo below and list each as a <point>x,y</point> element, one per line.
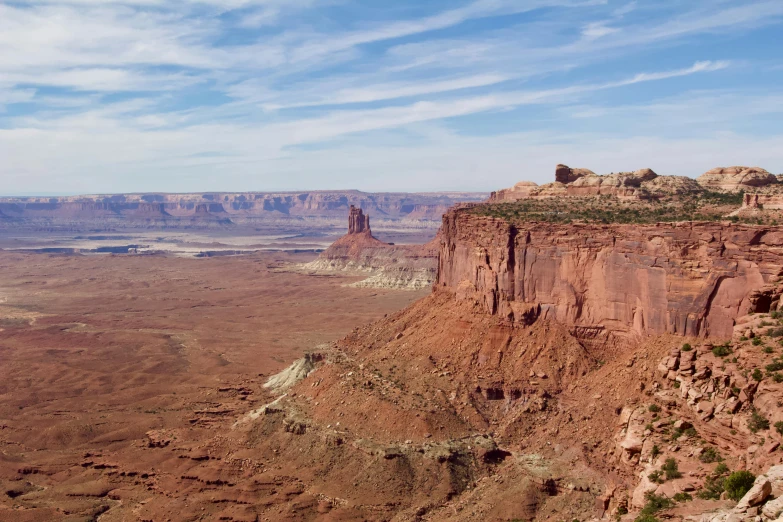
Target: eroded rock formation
<point>385,265</point>
<point>691,279</point>
<point>357,221</point>
<point>736,178</point>
<point>565,174</point>
<point>640,184</point>
<point>521,190</point>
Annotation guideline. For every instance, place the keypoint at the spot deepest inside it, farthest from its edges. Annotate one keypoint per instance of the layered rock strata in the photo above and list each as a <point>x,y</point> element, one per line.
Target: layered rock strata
<point>208,209</point>
<point>410,267</point>
<point>692,279</point>
<point>736,178</point>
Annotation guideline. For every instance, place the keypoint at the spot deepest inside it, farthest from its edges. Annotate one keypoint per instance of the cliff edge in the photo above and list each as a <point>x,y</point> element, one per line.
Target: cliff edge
<point>604,281</point>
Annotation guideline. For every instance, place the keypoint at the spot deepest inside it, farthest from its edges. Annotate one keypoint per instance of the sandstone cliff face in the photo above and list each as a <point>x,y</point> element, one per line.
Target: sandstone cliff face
<point>692,279</point>
<point>765,201</point>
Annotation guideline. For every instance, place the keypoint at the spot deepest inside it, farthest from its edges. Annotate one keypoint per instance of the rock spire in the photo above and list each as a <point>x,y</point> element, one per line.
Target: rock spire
<point>357,222</point>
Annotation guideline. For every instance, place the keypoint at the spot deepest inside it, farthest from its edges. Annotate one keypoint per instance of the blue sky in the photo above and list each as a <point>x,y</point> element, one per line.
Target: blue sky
<point>184,95</point>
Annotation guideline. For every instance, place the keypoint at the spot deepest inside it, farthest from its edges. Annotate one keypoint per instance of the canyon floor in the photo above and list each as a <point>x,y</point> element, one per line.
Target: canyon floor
<point>104,357</point>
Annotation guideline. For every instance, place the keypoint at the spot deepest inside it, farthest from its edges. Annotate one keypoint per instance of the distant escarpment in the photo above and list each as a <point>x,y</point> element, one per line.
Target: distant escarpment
<point>386,265</point>
<point>208,210</point>
<point>613,280</point>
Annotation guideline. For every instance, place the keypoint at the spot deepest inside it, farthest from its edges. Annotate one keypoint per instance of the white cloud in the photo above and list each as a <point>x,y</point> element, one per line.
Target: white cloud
<point>335,94</point>
<point>597,30</point>
<point>239,88</point>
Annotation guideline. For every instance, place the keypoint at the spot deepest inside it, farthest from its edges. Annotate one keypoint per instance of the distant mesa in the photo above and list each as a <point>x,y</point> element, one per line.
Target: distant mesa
<point>297,210</point>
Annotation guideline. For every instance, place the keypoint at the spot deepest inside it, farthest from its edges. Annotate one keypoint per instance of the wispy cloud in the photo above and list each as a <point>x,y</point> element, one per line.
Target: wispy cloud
<point>240,86</point>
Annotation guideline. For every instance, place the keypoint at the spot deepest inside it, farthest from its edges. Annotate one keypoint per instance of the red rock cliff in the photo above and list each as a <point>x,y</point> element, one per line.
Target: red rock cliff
<point>690,279</point>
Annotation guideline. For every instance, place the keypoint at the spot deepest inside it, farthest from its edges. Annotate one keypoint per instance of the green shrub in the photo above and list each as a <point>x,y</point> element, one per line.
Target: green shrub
<point>757,422</point>
<point>774,366</point>
<point>655,503</point>
<point>743,338</point>
<point>710,455</point>
<point>689,432</point>
<point>767,349</point>
<point>656,476</point>
<point>671,469</point>
<point>779,427</point>
<point>738,483</point>
<point>682,497</point>
<point>654,408</point>
<point>655,451</point>
<point>712,489</point>
<point>778,378</point>
<point>714,484</point>
<point>686,347</point>
<point>757,375</point>
<point>721,350</point>
<point>756,341</point>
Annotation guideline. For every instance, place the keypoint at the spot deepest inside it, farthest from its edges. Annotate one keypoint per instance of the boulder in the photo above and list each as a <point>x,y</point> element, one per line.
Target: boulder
<point>706,408</point>
<point>773,509</point>
<point>775,475</point>
<point>682,425</point>
<point>761,489</point>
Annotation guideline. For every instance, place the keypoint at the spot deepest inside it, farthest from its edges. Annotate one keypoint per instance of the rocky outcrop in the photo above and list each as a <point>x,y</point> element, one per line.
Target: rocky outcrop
<point>672,185</point>
<point>623,184</point>
<point>519,191</point>
<point>763,201</point>
<point>410,267</point>
<point>357,221</point>
<point>640,184</point>
<point>565,174</point>
<point>692,279</point>
<point>736,178</point>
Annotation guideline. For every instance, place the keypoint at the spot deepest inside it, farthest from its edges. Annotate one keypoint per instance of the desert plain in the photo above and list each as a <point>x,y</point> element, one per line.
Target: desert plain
<point>114,369</point>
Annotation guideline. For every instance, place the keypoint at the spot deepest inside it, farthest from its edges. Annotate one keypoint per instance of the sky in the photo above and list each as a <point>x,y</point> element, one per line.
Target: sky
<point>266,95</point>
